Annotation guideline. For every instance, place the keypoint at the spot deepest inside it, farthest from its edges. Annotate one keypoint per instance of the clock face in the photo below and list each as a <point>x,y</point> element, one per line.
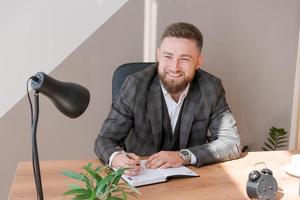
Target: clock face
<point>266,187</point>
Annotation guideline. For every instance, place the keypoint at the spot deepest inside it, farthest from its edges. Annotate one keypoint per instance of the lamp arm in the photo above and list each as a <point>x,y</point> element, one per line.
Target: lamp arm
<point>35,154</point>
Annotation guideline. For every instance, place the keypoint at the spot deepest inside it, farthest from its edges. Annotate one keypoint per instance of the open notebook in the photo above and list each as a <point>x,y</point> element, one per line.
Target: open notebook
<point>151,176</point>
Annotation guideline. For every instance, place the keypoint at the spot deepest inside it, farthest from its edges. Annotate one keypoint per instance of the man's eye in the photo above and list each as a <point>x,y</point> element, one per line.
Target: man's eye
<point>169,57</point>
<point>185,59</point>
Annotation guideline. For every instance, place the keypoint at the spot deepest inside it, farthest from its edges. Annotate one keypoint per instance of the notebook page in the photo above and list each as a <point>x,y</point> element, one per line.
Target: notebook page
<point>147,176</point>
<point>177,171</point>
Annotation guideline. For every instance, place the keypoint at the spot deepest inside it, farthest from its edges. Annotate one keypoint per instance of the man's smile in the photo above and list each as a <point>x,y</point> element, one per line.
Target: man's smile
<point>174,75</point>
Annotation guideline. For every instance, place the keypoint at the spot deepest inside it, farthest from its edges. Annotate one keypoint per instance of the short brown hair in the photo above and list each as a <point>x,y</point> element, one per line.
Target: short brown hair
<point>184,30</point>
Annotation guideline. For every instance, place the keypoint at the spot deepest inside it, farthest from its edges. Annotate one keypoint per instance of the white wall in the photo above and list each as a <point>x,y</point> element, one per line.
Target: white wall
<point>37,35</point>
<point>295,122</point>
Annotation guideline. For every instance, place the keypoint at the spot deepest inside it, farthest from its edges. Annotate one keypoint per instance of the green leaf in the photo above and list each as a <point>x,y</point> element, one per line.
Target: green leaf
<point>271,141</point>
<point>98,169</point>
<point>89,165</point>
<point>73,175</point>
<point>101,185</point>
<point>113,188</point>
<point>73,186</point>
<point>118,174</point>
<point>273,136</point>
<point>270,147</point>
<point>281,146</point>
<point>81,197</point>
<point>93,195</point>
<point>281,142</point>
<point>281,131</point>
<point>77,191</point>
<point>93,173</point>
<point>116,179</point>
<point>88,182</point>
<point>282,137</point>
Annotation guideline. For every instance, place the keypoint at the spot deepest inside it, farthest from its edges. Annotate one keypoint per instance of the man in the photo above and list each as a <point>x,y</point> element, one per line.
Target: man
<point>172,111</point>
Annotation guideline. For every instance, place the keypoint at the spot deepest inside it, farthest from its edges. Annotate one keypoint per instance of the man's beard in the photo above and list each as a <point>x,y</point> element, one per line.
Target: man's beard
<point>174,86</point>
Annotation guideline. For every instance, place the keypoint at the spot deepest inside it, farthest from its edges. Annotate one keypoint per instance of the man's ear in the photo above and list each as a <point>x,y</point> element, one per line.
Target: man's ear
<point>199,61</point>
<point>158,54</point>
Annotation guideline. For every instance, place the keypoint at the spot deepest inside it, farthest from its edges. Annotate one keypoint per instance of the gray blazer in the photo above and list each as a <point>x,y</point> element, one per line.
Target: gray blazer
<point>207,128</point>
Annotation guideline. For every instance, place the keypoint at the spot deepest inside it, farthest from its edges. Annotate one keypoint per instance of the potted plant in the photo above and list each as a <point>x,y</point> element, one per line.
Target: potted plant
<point>277,139</point>
<point>95,186</point>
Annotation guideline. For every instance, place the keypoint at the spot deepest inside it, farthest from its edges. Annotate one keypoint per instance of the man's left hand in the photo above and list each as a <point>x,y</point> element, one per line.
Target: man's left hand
<point>164,159</point>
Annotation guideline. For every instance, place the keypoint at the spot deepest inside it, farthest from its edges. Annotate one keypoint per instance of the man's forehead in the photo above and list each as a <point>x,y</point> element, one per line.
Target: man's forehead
<point>169,39</point>
<point>178,45</point>
<point>166,52</point>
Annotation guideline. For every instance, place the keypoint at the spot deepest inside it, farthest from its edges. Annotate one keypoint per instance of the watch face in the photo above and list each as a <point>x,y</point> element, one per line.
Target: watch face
<point>185,153</point>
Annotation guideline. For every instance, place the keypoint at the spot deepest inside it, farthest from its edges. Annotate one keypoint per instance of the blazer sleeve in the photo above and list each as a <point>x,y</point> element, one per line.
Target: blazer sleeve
<point>223,138</point>
<point>118,123</point>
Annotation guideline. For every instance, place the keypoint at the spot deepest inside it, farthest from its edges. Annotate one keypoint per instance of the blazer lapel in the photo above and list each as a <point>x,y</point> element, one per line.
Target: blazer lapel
<point>189,110</point>
<point>154,104</point>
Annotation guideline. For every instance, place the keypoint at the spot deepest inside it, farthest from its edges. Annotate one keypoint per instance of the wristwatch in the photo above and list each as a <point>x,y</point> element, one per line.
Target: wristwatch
<point>186,155</point>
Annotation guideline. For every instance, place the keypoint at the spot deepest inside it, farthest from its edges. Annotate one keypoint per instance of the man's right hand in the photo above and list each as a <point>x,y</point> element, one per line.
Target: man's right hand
<point>128,160</point>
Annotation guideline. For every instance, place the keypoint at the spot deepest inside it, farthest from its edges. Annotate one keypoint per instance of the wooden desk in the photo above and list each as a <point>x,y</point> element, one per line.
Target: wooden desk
<point>221,181</point>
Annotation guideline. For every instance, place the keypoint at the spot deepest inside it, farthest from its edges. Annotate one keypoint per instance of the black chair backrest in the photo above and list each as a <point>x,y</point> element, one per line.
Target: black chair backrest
<point>122,72</point>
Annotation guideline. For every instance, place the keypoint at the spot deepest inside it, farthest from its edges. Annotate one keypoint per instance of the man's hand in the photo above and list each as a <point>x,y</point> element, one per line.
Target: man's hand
<point>128,160</point>
<point>164,159</point>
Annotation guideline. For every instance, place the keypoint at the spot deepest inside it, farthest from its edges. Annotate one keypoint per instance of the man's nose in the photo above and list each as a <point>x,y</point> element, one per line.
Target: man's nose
<point>175,65</point>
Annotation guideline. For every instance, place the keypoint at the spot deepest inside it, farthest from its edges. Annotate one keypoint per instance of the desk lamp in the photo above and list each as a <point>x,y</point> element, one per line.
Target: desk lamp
<point>70,98</point>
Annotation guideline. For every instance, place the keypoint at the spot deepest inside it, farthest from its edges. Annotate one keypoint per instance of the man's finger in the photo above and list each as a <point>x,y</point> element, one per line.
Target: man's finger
<point>154,156</point>
<point>165,165</point>
<point>150,162</point>
<point>156,163</point>
<point>133,156</point>
<point>131,162</point>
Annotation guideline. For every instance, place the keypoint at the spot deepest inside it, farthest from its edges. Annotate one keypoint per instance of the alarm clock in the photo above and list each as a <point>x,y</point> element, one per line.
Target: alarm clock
<point>261,184</point>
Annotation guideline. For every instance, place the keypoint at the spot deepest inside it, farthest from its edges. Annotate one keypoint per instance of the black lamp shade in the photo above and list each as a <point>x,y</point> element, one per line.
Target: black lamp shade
<point>70,98</point>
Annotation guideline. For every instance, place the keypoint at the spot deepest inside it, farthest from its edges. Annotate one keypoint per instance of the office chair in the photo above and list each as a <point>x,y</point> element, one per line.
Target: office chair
<point>122,72</point>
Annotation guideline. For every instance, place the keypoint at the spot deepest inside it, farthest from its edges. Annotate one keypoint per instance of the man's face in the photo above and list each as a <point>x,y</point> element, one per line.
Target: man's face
<point>178,61</point>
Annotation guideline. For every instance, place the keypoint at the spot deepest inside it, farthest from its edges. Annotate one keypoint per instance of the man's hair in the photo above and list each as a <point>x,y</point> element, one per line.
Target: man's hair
<point>184,30</point>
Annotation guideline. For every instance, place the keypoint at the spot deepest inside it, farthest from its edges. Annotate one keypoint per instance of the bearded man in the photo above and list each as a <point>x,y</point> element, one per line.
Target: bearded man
<point>173,111</point>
